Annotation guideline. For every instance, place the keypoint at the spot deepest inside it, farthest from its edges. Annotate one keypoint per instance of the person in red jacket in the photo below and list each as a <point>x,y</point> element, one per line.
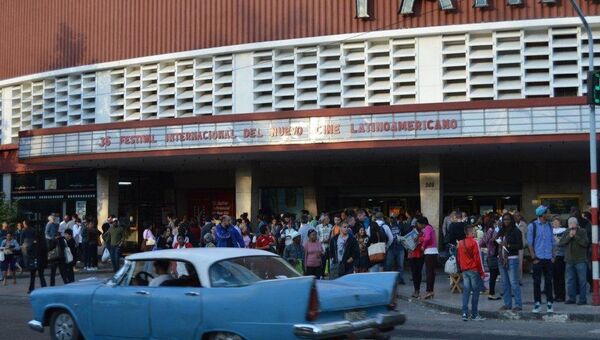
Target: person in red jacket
<point>469,260</point>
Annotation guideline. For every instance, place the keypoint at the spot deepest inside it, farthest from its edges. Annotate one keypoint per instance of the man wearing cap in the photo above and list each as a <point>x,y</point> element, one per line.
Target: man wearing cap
<point>541,245</point>
<point>294,252</point>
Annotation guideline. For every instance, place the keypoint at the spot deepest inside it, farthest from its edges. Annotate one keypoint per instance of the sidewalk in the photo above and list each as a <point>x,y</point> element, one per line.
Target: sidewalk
<point>452,303</point>
<point>19,290</point>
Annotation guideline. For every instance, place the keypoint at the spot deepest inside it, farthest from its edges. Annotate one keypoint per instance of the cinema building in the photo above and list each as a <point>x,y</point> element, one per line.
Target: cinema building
<point>227,106</point>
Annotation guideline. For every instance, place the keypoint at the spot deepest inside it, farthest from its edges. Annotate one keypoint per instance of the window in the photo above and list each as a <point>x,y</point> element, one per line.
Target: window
<point>481,4</point>
<point>407,7</point>
<point>447,5</point>
<point>363,9</point>
<point>157,273</point>
<point>243,271</point>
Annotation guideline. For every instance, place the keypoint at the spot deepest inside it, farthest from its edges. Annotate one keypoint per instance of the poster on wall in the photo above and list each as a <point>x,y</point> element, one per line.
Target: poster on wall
<point>80,208</point>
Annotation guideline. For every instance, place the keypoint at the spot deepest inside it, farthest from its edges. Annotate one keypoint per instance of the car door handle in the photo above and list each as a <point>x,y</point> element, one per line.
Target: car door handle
<point>142,292</point>
<point>192,294</point>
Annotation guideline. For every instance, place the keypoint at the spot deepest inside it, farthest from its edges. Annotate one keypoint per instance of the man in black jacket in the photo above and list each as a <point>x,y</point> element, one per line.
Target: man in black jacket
<point>456,230</point>
<point>344,253</point>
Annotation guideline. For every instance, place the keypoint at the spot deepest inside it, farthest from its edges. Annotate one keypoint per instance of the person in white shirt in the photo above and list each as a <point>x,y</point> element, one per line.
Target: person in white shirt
<point>64,225</point>
<point>386,228</point>
<point>305,227</point>
<point>161,268</point>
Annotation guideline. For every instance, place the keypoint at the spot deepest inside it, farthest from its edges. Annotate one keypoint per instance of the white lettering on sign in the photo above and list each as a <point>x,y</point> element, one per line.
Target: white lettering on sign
<point>284,131</point>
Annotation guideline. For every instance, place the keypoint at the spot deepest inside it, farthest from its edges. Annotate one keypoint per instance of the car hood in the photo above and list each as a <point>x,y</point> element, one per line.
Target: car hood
<point>335,296</point>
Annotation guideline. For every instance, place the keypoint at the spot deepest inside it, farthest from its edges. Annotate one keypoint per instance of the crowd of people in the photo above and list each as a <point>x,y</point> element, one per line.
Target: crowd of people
<point>506,245</point>
<point>485,248</point>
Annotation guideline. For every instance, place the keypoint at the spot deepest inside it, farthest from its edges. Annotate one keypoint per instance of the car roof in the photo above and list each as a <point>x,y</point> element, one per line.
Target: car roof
<point>199,255</point>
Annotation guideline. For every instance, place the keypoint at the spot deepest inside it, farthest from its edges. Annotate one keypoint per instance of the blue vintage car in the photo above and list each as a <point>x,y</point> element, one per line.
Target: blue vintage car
<point>216,293</point>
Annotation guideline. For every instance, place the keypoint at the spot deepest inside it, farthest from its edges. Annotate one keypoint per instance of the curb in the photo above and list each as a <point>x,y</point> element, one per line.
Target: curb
<point>508,315</point>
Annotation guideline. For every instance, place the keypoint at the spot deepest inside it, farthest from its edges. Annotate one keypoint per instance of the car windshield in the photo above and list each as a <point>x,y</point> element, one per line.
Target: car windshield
<point>247,270</point>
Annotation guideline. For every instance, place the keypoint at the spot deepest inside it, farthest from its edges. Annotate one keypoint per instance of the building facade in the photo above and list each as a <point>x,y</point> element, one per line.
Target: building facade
<point>143,108</point>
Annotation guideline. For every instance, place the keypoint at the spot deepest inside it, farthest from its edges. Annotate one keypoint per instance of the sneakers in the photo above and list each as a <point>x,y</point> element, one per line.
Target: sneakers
<point>517,309</point>
<point>493,297</point>
<point>549,308</point>
<point>477,318</point>
<point>536,308</point>
<point>504,308</point>
<point>465,317</point>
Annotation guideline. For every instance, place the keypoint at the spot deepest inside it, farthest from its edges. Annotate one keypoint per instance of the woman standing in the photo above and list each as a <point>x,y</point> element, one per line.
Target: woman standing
<point>148,238</point>
<point>27,238</point>
<point>363,259</point>
<point>313,252</point>
<point>9,246</point>
<point>511,241</point>
<point>246,235</point>
<point>37,261</point>
<point>489,242</point>
<point>93,240</point>
<point>323,235</point>
<point>416,258</point>
<point>559,266</point>
<point>431,254</point>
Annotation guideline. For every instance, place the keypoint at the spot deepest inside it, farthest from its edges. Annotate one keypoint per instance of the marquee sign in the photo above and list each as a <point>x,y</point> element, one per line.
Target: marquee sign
<point>314,130</point>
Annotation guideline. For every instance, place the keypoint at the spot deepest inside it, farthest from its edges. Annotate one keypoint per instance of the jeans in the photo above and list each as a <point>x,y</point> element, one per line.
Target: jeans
<point>376,268</point>
<point>545,267</point>
<point>91,255</point>
<point>471,288</point>
<point>510,283</point>
<point>430,263</point>
<point>416,266</point>
<point>40,274</point>
<point>61,270</point>
<point>115,253</point>
<point>577,277</point>
<point>558,280</point>
<point>395,256</point>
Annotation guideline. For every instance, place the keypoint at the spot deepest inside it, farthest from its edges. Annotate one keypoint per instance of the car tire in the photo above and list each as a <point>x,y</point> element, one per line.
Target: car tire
<point>224,336</point>
<point>63,326</point>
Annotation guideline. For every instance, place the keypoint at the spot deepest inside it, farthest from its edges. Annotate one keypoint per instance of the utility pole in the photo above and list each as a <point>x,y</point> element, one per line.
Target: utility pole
<point>593,164</point>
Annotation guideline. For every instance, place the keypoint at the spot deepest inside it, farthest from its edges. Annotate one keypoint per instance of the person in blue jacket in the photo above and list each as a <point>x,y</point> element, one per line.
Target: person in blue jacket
<point>227,235</point>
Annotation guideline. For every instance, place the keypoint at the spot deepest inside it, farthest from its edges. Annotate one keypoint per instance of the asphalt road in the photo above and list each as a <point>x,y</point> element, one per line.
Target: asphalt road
<point>423,323</point>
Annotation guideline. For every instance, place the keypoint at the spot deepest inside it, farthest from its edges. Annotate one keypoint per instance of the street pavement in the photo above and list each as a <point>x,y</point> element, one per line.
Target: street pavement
<point>423,322</point>
<point>446,301</point>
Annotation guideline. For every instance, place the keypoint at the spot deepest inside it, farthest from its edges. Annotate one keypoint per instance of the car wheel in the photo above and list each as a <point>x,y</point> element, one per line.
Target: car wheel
<point>63,327</point>
<point>224,336</point>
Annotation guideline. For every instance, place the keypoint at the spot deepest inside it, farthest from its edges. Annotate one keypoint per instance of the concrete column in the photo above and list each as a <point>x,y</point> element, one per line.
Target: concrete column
<point>6,186</point>
<point>107,193</point>
<point>246,191</point>
<point>430,189</point>
<point>310,200</point>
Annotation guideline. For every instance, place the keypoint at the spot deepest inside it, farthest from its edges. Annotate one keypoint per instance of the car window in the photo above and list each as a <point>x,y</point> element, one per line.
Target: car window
<point>161,273</point>
<point>243,271</point>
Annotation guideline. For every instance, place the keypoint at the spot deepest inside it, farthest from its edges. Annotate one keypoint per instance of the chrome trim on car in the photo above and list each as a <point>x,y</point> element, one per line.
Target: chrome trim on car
<point>382,321</point>
<point>36,326</point>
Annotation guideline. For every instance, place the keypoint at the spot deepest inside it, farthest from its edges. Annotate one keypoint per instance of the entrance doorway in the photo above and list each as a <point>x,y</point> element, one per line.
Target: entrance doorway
<point>481,205</point>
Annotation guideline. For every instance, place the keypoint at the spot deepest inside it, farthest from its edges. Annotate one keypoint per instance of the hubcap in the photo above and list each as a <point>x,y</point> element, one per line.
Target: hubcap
<point>63,327</point>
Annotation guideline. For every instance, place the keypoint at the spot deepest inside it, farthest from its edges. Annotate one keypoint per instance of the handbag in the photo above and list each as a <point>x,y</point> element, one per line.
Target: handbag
<point>451,267</point>
<point>68,255</point>
<point>1,256</point>
<point>54,254</point>
<point>377,252</point>
<point>105,255</point>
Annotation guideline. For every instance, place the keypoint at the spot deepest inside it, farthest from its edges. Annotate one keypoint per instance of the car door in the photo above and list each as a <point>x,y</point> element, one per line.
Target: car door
<point>120,310</point>
<point>176,308</point>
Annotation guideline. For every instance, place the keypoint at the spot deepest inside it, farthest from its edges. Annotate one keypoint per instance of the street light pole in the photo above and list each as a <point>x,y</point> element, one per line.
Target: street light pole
<point>593,167</point>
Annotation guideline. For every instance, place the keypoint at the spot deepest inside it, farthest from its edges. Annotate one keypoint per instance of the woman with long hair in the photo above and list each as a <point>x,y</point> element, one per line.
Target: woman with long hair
<point>510,241</point>
<point>430,253</point>
<point>489,242</point>
<point>37,260</point>
<point>416,258</point>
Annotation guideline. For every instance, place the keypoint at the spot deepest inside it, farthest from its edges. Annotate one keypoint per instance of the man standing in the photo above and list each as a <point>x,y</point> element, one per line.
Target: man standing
<point>541,245</point>
<point>456,229</point>
<point>116,238</point>
<point>51,229</point>
<point>305,227</point>
<point>344,253</point>
<point>227,235</point>
<point>395,253</point>
<point>576,243</point>
<point>472,269</point>
<point>64,225</point>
